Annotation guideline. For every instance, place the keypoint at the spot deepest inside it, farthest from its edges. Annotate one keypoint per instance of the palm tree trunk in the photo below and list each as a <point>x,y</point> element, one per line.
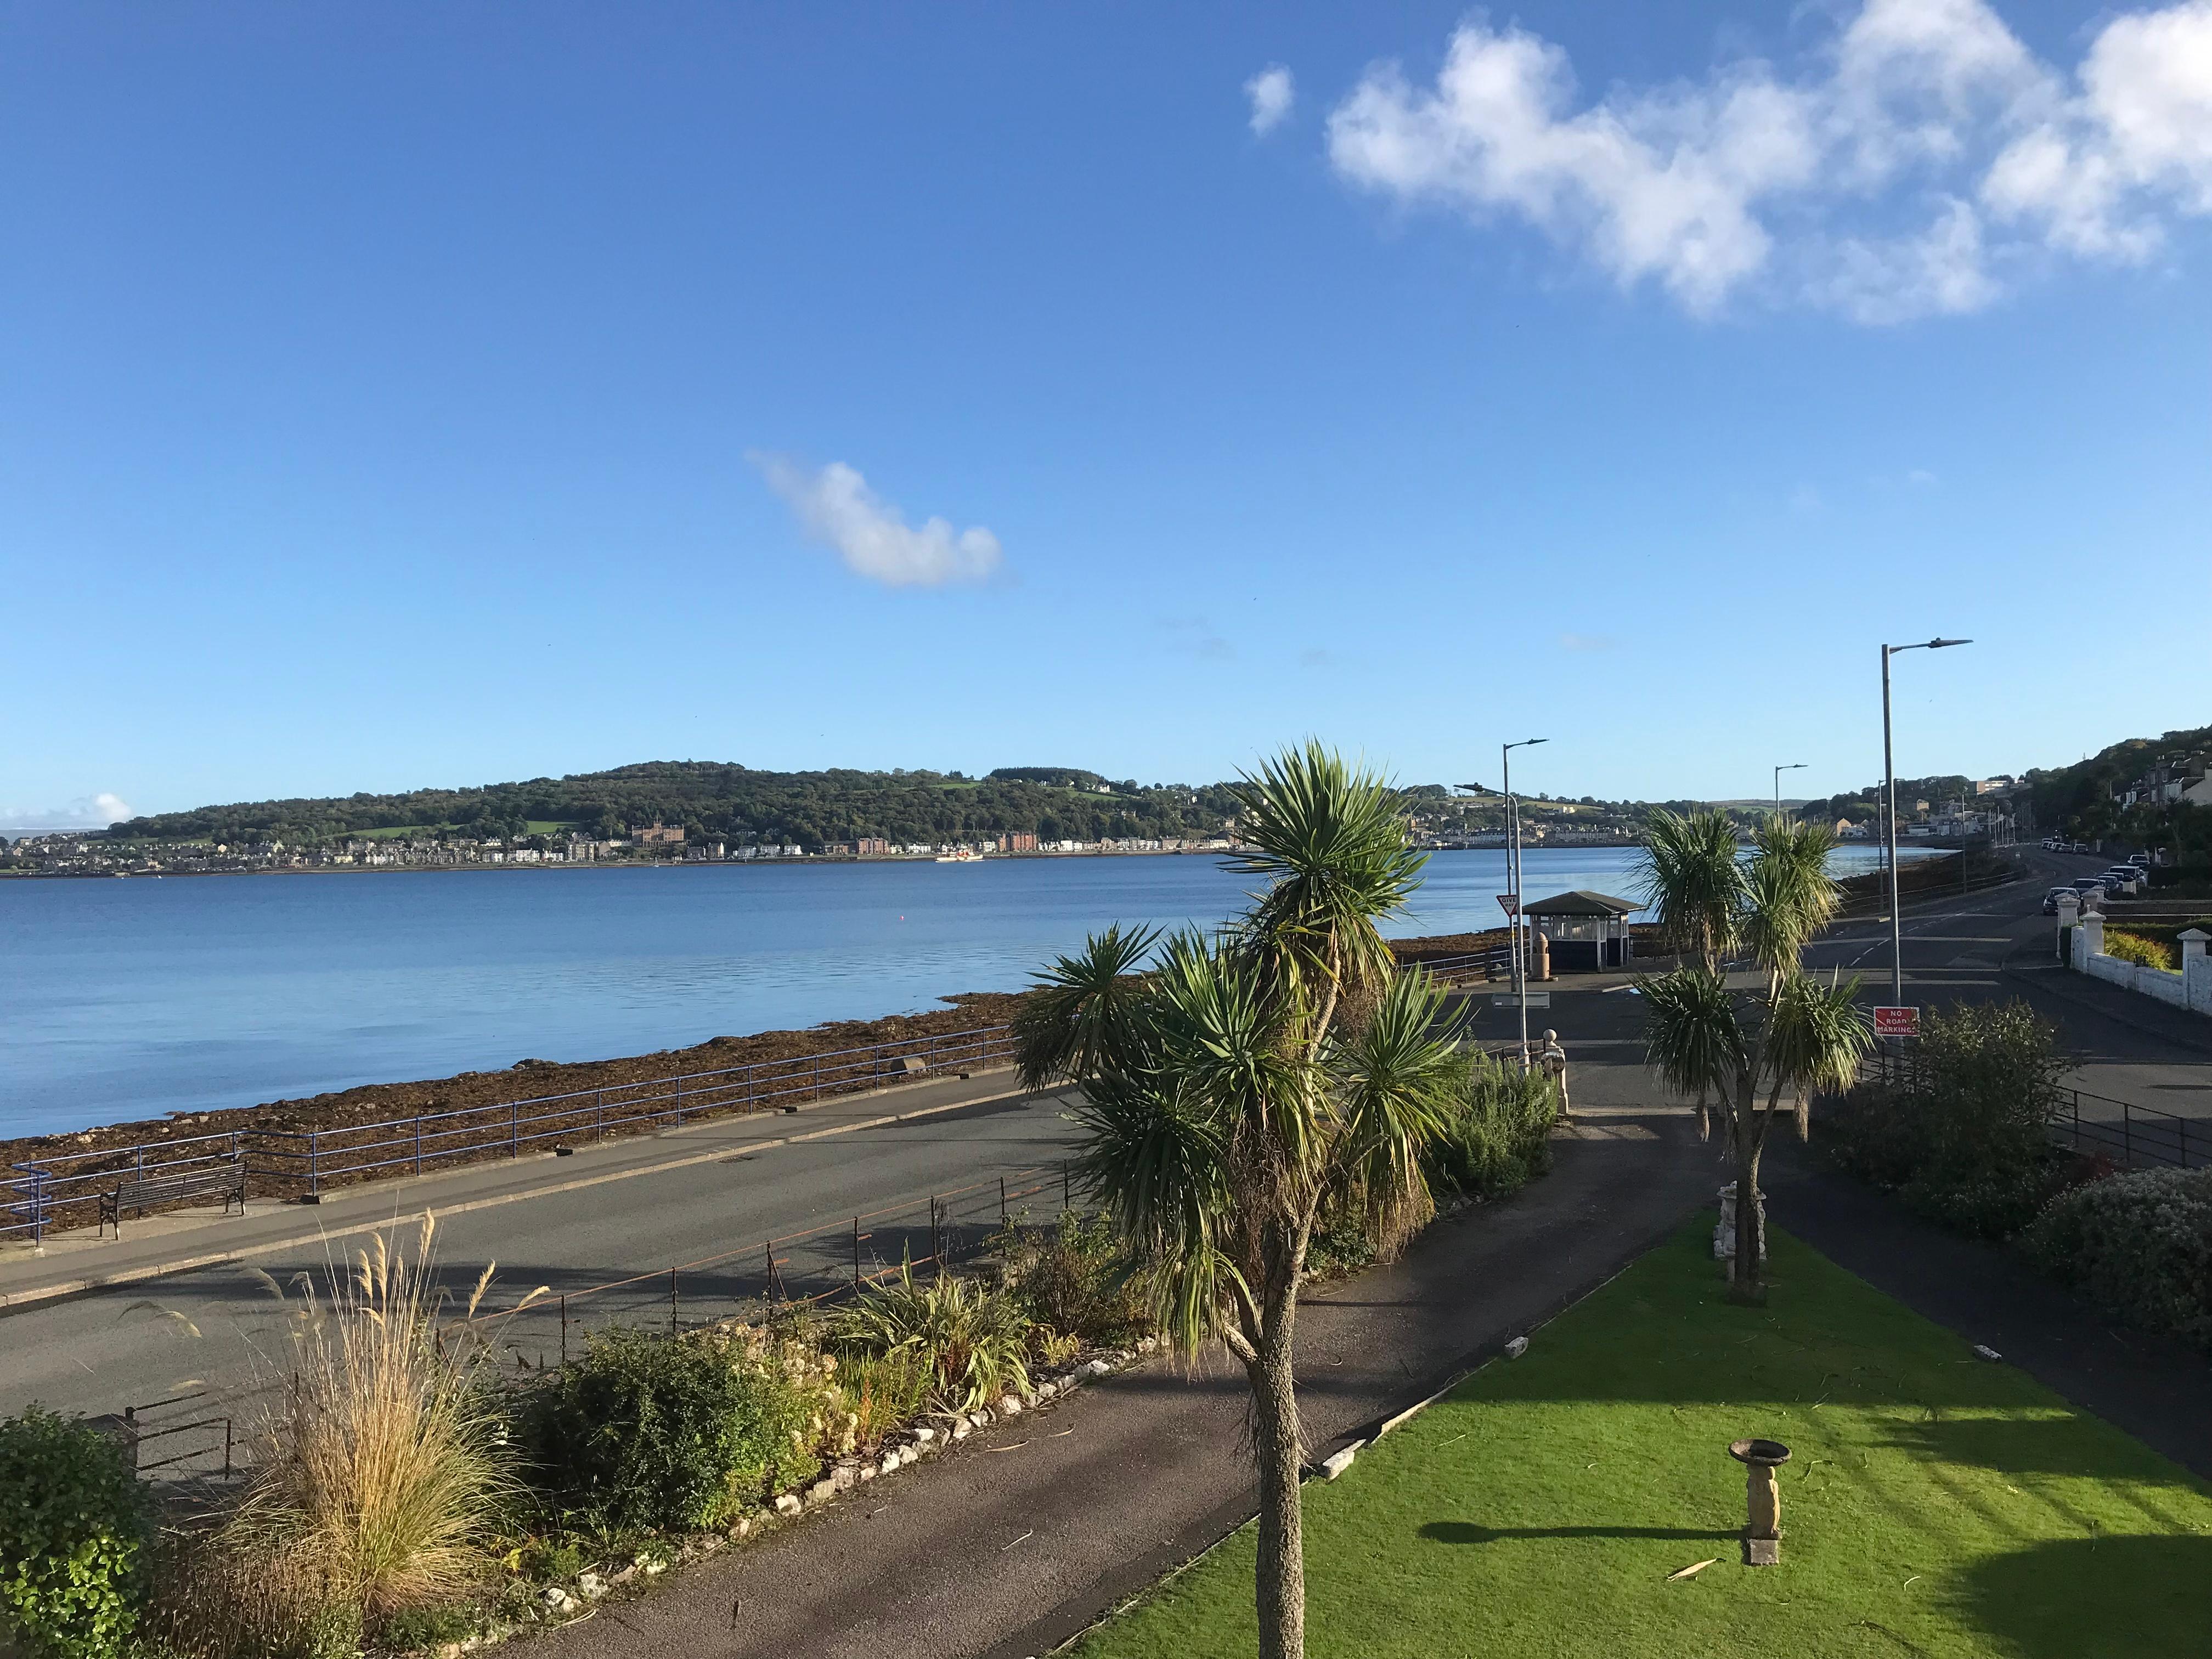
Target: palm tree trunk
<point>1745,1281</point>
<point>1279,1583</point>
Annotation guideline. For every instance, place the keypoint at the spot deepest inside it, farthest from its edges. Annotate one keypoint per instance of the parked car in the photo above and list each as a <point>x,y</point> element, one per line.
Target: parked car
<point>2050,899</point>
<point>2089,884</point>
<point>2126,874</point>
<point>2141,860</point>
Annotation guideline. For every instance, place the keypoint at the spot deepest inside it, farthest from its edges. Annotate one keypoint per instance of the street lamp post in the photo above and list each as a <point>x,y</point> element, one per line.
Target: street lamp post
<point>1793,766</point>
<point>1889,826</point>
<point>1513,881</point>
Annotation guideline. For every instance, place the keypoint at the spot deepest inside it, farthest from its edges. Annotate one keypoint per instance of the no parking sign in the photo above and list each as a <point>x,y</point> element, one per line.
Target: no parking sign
<point>1897,1022</point>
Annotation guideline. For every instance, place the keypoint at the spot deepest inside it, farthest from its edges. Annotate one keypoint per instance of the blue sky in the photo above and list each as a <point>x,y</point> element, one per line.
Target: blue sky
<point>410,395</point>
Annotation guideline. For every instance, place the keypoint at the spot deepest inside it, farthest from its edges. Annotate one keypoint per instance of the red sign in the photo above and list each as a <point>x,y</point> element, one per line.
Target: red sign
<point>1897,1022</point>
<point>1508,903</point>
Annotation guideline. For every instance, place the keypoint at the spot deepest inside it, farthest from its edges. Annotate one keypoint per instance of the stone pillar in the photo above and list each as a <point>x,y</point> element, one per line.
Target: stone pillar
<point>1539,960</point>
<point>2093,931</point>
<point>2195,970</point>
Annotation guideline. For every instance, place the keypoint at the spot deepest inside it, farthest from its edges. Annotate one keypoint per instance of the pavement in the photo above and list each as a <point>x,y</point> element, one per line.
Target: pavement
<point>1017,1539</point>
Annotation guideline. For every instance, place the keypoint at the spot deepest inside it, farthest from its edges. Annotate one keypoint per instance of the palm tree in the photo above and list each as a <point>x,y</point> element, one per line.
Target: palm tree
<point>1693,885</point>
<point>1252,1076</point>
<point>1749,1049</point>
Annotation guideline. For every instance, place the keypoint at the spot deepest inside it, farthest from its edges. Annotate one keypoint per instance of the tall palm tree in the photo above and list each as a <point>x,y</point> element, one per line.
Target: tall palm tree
<point>1268,1068</point>
<point>1749,1049</point>
<point>1692,882</point>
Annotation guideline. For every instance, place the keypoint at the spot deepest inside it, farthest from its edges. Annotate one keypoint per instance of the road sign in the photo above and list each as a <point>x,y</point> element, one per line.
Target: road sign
<point>1531,999</point>
<point>1508,903</point>
<point>1897,1022</point>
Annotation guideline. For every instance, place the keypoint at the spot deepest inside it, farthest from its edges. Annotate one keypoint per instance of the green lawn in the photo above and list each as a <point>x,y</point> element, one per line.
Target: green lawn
<point>1936,1505</point>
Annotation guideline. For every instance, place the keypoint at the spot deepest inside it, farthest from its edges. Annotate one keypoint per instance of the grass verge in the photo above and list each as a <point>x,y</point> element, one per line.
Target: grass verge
<point>1936,1505</point>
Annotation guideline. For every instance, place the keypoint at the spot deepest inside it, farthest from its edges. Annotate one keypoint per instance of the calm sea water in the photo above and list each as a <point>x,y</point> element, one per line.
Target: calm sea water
<point>129,998</point>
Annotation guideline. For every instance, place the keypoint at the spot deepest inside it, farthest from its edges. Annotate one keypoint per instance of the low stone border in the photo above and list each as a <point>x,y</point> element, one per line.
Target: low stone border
<point>563,1601</point>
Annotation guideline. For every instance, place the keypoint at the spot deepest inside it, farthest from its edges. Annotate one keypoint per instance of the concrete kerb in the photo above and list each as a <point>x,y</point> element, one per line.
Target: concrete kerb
<point>16,1301</point>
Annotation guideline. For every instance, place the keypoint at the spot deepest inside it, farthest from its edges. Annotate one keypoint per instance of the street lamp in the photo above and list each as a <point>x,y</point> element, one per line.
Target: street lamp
<point>1889,828</point>
<point>1793,766</point>
<point>1513,880</point>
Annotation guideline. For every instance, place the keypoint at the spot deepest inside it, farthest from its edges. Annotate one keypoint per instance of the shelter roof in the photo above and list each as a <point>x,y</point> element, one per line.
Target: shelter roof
<point>1581,903</point>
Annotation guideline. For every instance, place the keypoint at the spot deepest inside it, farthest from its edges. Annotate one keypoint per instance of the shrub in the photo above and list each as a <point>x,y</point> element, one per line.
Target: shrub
<point>1499,1137</point>
<point>1072,1280</point>
<point>972,1341</point>
<point>651,1431</point>
<point>75,1530</point>
<point>1965,1138</point>
<point>2140,1245</point>
<point>884,1394</point>
<point>2134,947</point>
<point>381,1476</point>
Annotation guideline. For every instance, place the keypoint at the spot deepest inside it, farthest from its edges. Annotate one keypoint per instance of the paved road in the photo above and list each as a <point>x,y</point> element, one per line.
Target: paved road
<point>218,1327</point>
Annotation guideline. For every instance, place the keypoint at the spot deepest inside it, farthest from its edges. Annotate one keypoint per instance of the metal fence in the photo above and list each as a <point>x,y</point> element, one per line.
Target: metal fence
<point>43,1194</point>
<point>193,1438</point>
<point>2135,1137</point>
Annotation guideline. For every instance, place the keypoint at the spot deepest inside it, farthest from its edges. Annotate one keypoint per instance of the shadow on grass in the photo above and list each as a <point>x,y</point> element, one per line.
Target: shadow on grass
<point>2140,1597</point>
<point>2026,1445</point>
<point>1466,1532</point>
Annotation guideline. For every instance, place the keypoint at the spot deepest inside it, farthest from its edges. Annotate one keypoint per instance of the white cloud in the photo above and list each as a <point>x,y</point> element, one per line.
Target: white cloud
<point>835,507</point>
<point>94,811</point>
<point>1867,182</point>
<point>1271,92</point>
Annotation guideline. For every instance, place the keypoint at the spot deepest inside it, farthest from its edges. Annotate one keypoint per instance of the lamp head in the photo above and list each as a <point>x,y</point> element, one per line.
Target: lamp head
<point>1938,645</point>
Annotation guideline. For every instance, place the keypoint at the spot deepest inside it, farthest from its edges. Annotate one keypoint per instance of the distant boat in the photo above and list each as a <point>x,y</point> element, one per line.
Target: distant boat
<point>965,855</point>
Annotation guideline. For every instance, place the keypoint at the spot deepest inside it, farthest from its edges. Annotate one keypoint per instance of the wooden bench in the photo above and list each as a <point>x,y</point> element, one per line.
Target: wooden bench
<point>137,1193</point>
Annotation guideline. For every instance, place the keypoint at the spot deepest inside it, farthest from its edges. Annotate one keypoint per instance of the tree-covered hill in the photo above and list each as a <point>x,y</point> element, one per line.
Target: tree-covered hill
<point>712,798</point>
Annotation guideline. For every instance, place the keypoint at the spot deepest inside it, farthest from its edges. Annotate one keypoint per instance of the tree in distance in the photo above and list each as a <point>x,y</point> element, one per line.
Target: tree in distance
<point>1747,1048</point>
<point>1247,1079</point>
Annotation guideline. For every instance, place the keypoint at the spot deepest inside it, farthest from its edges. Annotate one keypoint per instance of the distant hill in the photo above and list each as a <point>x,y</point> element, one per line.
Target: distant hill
<point>722,799</point>
<point>2077,799</point>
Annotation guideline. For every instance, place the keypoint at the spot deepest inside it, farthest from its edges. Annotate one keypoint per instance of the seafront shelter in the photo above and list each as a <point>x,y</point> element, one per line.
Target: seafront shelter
<point>1586,931</point>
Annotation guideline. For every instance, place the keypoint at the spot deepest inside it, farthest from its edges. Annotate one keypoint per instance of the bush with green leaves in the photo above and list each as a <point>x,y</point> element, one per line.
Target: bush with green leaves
<point>973,1339</point>
<point>2134,947</point>
<point>2138,1244</point>
<point>1073,1280</point>
<point>1497,1135</point>
<point>76,1529</point>
<point>1964,1136</point>
<point>647,1432</point>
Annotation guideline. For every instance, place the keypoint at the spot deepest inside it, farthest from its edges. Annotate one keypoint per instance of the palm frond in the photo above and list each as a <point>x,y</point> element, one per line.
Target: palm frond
<point>1789,896</point>
<point>1330,841</point>
<point>1397,1083</point>
<point>1816,1035</point>
<point>1692,881</point>
<point>1693,1037</point>
<point>1084,1013</point>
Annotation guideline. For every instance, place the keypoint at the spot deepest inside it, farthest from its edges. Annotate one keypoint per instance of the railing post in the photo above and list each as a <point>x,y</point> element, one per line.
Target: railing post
<point>671,1301</point>
<point>817,1077</point>
<point>856,1255</point>
<point>2127,1135</point>
<point>315,1162</point>
<point>599,1114</point>
<point>564,1329</point>
<point>1066,1189</point>
<point>679,1103</point>
<point>515,1129</point>
<point>1002,1201</point>
<point>936,1244</point>
<point>418,1143</point>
